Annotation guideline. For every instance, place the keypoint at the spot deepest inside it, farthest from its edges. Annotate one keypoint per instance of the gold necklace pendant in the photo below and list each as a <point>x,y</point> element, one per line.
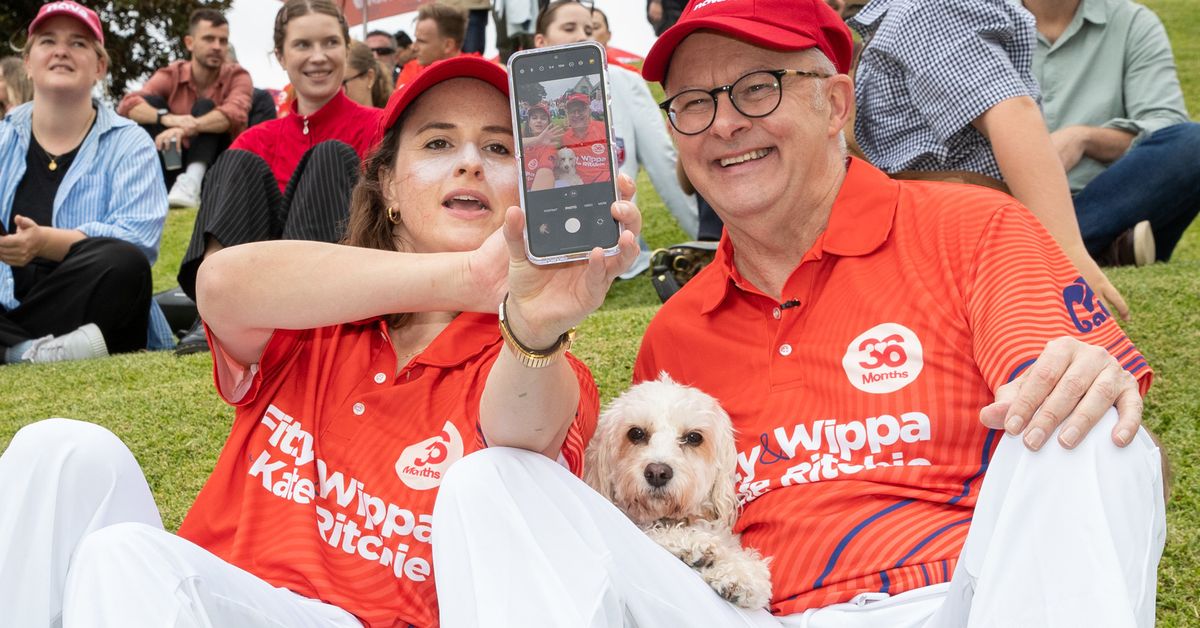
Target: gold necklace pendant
<point>53,166</point>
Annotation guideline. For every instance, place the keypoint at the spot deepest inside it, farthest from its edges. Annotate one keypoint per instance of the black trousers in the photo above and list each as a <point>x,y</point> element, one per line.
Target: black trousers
<point>241,203</point>
<point>204,148</point>
<point>101,280</point>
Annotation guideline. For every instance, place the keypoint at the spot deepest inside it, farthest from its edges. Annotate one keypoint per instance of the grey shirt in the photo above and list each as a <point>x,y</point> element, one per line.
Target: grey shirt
<point>1112,67</point>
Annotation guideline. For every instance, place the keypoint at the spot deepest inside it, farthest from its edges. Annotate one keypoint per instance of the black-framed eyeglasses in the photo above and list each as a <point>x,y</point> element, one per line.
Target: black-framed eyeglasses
<point>383,51</point>
<point>755,95</point>
<point>359,75</point>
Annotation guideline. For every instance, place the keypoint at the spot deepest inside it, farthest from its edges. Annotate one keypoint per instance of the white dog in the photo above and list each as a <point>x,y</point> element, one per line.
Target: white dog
<point>564,169</point>
<point>664,454</point>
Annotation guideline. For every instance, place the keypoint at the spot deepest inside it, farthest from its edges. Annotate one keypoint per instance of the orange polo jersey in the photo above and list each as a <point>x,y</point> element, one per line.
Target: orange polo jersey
<point>856,400</point>
<point>591,152</point>
<point>327,483</point>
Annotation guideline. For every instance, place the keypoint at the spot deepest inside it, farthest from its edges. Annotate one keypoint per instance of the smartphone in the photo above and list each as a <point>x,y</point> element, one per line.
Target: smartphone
<point>563,131</point>
<point>172,159</point>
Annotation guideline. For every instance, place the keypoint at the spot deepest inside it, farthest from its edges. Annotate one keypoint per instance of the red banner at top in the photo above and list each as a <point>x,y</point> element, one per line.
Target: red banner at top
<point>378,9</point>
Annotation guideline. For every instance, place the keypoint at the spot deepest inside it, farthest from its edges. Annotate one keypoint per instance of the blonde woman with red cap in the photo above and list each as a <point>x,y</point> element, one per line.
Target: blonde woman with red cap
<point>80,218</point>
<point>542,140</point>
<point>360,373</point>
<point>933,429</point>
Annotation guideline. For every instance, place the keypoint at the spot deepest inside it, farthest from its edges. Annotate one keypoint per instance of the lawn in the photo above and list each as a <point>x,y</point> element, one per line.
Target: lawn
<point>165,409</point>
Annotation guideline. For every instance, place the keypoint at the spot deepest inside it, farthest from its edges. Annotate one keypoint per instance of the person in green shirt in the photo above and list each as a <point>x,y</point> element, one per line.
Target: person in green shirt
<point>1112,102</point>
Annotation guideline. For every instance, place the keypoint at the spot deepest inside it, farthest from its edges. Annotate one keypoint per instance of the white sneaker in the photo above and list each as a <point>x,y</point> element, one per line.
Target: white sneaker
<point>82,344</point>
<point>1143,244</point>
<point>185,192</point>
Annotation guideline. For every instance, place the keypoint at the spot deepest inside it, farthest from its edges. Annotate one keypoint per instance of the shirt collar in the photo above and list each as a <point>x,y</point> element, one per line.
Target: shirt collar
<point>867,18</point>
<point>860,222</point>
<point>330,110</point>
<point>468,335</point>
<point>1094,11</point>
<point>185,71</point>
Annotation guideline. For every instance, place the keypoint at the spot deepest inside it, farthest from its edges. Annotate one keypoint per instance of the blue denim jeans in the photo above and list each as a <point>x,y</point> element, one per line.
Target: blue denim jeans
<point>1157,180</point>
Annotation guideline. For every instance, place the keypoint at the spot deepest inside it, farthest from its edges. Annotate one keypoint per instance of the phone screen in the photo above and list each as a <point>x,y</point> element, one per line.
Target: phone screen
<point>560,107</point>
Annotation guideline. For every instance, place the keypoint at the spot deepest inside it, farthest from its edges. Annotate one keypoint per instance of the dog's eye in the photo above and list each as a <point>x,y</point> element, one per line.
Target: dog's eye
<point>693,438</point>
<point>636,434</point>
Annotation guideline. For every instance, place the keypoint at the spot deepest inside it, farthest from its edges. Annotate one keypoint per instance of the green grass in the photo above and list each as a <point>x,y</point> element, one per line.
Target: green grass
<point>165,408</point>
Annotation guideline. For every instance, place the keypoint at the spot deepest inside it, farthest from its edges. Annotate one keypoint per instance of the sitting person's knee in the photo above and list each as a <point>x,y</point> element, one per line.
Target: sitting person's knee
<point>479,469</point>
<point>202,106</point>
<point>89,449</point>
<point>116,261</point>
<point>333,148</point>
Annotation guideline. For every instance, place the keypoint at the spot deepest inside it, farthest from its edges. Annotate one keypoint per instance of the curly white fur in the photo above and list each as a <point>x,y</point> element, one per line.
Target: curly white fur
<point>664,454</point>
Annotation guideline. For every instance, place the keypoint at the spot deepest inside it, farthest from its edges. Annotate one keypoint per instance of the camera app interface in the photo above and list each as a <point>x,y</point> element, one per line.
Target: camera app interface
<point>565,151</point>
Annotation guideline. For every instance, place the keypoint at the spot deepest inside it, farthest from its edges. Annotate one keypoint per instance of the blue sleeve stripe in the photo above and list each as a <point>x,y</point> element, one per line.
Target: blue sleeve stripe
<point>1020,369</point>
<point>1128,366</point>
<point>841,546</point>
<point>887,582</point>
<point>1124,353</point>
<point>1116,342</point>
<point>945,571</point>
<point>1137,365</point>
<point>925,572</point>
<point>984,459</point>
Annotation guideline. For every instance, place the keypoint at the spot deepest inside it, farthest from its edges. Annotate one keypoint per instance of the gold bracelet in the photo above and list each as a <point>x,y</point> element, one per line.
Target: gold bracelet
<point>533,358</point>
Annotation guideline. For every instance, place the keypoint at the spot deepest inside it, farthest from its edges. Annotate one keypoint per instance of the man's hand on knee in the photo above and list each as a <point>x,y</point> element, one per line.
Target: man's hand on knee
<point>1071,382</point>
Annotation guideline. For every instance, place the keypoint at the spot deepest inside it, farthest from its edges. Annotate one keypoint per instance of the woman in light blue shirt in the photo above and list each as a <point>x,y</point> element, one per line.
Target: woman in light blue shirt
<point>82,206</point>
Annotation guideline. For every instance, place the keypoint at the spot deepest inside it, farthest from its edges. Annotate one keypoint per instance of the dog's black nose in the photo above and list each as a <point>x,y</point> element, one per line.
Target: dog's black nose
<point>658,474</point>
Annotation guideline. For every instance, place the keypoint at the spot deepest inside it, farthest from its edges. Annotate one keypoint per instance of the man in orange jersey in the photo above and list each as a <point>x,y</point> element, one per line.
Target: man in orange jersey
<point>588,139</point>
<point>914,371</point>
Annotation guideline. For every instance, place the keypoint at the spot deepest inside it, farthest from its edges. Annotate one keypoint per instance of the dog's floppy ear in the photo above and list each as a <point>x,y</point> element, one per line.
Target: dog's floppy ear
<point>722,495</point>
<point>597,468</point>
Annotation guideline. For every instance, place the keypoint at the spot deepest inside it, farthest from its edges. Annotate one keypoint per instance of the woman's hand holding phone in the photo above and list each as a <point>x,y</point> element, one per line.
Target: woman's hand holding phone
<point>546,301</point>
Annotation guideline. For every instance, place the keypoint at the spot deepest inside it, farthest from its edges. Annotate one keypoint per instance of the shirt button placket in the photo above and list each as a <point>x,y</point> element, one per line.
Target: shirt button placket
<point>359,409</point>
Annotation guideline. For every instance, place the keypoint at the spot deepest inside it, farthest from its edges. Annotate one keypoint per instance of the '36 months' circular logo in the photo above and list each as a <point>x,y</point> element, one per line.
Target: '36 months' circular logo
<point>883,359</point>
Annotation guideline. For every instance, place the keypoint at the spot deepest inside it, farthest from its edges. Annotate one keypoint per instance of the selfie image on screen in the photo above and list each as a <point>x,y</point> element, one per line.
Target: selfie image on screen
<point>558,101</point>
<point>563,134</point>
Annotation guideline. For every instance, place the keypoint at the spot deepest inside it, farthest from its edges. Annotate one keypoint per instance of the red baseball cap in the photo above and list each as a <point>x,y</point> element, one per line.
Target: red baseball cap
<point>580,98</point>
<point>444,70</point>
<point>70,9</point>
<point>540,105</point>
<point>774,24</point>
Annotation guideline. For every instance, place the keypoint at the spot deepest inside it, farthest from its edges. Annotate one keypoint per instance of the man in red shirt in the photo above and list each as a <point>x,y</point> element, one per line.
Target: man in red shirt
<point>588,139</point>
<point>194,106</point>
<point>913,371</point>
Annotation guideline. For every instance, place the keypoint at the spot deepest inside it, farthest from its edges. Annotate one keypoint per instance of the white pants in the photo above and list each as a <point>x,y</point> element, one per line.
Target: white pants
<point>82,544</point>
<point>1059,538</point>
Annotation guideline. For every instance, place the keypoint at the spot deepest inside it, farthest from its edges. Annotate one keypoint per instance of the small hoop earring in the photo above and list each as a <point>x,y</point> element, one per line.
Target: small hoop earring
<point>392,215</point>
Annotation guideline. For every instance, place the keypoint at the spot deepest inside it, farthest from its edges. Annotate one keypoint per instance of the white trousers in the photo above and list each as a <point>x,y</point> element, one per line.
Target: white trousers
<point>1059,539</point>
<point>82,544</point>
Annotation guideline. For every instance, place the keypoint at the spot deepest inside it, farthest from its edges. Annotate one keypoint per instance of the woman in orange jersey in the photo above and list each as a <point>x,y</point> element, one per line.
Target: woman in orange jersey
<point>359,374</point>
<point>542,139</point>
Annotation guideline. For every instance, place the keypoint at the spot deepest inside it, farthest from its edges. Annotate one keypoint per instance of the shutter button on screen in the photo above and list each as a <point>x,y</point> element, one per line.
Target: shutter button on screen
<point>571,225</point>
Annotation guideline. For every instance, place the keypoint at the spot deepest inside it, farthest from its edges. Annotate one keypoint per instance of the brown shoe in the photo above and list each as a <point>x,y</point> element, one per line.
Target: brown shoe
<point>1134,247</point>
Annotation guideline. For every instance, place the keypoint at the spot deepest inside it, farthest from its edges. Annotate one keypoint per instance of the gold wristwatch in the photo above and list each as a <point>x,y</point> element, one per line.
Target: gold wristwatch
<point>533,358</point>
